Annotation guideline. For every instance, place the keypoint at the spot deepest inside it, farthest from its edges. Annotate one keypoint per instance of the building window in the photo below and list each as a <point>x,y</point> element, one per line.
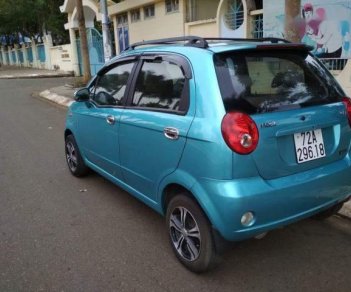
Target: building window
<point>172,5</point>
<point>149,11</point>
<point>196,10</point>
<point>135,15</point>
<point>122,19</point>
<point>257,31</point>
<point>235,15</point>
<point>259,4</point>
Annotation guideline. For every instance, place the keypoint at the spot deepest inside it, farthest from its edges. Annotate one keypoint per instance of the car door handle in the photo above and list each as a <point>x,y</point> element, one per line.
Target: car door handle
<point>171,133</point>
<point>110,119</point>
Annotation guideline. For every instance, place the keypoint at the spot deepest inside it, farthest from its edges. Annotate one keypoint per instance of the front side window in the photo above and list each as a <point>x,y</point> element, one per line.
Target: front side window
<point>149,11</point>
<point>172,5</point>
<point>160,85</point>
<point>110,87</point>
<point>258,82</point>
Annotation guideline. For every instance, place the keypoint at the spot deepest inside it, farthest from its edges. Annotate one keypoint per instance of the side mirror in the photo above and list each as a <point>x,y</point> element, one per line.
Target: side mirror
<point>82,94</point>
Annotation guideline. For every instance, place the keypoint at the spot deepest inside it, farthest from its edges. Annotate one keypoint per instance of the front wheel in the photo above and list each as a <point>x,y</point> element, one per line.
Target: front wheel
<point>74,160</point>
<point>190,234</point>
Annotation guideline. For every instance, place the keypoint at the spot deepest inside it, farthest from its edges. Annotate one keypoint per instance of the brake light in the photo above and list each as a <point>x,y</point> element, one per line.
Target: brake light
<point>240,132</point>
<point>347,103</point>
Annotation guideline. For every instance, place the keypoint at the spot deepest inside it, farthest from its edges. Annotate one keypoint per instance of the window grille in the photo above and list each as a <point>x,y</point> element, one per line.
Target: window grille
<point>257,31</point>
<point>122,19</point>
<point>235,15</point>
<point>135,15</point>
<point>172,5</point>
<point>149,11</point>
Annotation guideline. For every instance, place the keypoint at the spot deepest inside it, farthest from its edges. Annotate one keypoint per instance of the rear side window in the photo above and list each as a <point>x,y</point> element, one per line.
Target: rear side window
<point>258,82</point>
<point>160,85</point>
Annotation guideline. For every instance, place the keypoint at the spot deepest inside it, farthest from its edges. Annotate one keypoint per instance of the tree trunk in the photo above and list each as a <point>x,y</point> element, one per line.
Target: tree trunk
<point>83,41</point>
<point>292,11</point>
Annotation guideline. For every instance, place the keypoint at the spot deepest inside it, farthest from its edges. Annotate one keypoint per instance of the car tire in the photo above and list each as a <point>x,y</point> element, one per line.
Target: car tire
<point>190,234</point>
<point>74,159</point>
<point>328,212</point>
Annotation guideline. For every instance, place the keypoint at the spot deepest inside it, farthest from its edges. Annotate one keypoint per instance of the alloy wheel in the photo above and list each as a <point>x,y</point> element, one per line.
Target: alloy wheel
<point>185,234</point>
<point>71,156</point>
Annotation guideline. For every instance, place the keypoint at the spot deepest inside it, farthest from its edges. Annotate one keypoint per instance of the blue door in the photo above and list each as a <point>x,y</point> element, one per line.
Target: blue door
<point>96,51</point>
<point>154,126</point>
<point>99,118</point>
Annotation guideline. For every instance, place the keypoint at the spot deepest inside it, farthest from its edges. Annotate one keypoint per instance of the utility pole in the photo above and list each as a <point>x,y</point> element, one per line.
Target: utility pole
<point>106,36</point>
<point>292,11</point>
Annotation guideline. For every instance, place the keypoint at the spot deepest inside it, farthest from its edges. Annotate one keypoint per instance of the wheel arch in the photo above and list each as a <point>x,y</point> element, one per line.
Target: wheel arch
<point>173,189</point>
<point>180,181</point>
<point>170,191</point>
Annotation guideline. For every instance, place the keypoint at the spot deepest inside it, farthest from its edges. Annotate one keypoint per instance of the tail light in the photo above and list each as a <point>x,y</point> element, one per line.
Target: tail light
<point>240,132</point>
<point>347,103</point>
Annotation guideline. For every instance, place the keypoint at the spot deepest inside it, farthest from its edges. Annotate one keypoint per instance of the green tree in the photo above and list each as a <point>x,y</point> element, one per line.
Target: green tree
<point>32,18</point>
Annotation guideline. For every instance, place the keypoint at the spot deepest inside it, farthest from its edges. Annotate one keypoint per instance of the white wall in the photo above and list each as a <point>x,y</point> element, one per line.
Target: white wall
<point>61,58</point>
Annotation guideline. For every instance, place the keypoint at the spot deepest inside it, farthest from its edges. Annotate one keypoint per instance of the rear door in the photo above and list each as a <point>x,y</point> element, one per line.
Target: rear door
<point>296,104</point>
<point>154,126</point>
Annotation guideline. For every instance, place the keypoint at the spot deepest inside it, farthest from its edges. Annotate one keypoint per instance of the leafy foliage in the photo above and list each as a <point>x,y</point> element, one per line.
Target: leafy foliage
<point>31,18</point>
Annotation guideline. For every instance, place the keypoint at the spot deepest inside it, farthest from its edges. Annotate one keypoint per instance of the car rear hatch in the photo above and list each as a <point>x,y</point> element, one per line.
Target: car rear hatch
<point>296,104</point>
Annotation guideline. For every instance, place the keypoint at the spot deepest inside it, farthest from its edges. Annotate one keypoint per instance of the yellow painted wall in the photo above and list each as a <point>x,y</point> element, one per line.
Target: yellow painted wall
<point>163,25</point>
<point>205,28</point>
<point>344,78</point>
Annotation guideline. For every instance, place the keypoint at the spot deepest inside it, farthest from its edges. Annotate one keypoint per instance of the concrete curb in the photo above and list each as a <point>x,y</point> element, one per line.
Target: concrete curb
<point>56,98</point>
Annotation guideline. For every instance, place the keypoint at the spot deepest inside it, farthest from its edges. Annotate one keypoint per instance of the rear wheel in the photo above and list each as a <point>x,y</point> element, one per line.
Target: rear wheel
<point>190,234</point>
<point>74,160</point>
<point>328,212</point>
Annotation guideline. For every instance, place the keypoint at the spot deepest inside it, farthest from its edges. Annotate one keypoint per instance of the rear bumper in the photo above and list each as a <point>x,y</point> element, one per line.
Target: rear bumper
<point>275,203</point>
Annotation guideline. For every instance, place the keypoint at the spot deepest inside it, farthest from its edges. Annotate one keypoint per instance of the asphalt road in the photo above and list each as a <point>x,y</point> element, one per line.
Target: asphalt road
<point>60,233</point>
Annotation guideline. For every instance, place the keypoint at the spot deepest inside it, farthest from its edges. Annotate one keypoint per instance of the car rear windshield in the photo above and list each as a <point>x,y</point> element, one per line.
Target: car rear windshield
<point>268,81</point>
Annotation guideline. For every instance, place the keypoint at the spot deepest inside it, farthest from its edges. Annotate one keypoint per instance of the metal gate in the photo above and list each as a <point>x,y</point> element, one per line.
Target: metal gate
<point>96,51</point>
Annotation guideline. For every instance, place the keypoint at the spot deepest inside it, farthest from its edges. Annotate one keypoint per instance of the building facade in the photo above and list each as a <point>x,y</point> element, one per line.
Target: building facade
<point>323,24</point>
<point>137,20</point>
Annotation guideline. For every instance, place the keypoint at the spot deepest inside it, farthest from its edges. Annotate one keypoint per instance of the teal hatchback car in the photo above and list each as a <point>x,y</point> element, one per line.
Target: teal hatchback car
<point>228,138</point>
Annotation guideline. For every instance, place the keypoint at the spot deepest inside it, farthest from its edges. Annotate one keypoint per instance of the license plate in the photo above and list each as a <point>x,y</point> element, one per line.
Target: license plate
<point>309,145</point>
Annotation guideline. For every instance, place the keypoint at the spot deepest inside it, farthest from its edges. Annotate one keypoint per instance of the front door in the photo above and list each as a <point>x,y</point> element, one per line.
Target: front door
<point>99,119</point>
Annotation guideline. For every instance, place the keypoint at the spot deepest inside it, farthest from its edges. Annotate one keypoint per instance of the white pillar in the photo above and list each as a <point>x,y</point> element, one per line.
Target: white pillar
<point>74,53</point>
<point>36,61</point>
<point>18,62</point>
<point>25,56</point>
<point>9,51</point>
<point>4,59</point>
<point>115,31</point>
<point>48,45</point>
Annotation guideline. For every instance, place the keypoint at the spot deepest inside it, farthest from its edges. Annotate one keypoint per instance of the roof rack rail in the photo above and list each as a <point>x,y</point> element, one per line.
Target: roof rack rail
<point>193,41</point>
<point>267,39</point>
<point>199,42</point>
